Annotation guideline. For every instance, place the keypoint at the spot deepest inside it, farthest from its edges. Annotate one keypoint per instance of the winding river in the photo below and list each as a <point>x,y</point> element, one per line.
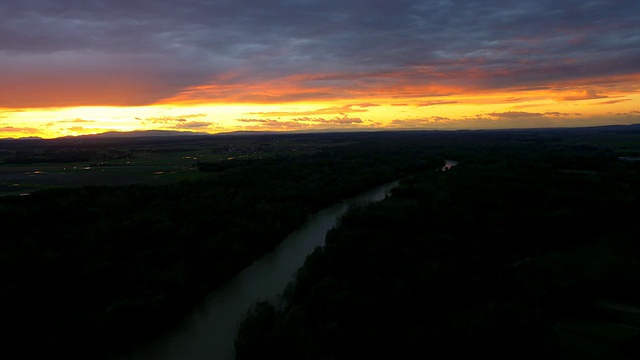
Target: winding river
<point>209,332</point>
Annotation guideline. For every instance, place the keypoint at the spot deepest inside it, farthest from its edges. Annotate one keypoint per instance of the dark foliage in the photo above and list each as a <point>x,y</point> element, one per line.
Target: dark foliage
<point>516,252</point>
<point>96,270</point>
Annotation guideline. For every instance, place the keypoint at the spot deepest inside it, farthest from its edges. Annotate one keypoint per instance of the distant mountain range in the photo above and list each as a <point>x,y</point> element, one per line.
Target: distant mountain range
<point>175,134</point>
<point>22,138</point>
<point>142,134</point>
<point>120,135</point>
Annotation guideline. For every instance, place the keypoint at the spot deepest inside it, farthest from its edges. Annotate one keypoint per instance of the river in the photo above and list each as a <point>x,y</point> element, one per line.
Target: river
<point>208,333</point>
<point>448,164</point>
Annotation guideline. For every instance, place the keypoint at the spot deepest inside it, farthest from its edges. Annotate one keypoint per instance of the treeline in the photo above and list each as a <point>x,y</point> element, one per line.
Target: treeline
<point>523,250</point>
<point>94,271</point>
<point>63,156</point>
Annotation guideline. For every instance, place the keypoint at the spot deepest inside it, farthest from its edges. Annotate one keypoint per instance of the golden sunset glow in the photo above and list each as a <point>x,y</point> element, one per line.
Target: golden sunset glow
<point>580,104</point>
<point>120,74</point>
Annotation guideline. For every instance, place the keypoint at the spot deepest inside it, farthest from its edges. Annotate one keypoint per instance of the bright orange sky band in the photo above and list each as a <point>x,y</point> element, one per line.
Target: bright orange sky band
<point>276,107</point>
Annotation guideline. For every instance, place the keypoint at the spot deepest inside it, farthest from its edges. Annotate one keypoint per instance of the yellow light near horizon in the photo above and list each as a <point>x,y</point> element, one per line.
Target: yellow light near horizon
<point>479,109</point>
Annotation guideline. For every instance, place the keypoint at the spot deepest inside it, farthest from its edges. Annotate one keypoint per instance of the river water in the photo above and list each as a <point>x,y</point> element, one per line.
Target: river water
<point>448,164</point>
<point>209,332</point>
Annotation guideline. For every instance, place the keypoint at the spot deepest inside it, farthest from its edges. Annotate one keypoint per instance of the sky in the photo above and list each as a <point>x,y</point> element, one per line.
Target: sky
<point>73,67</point>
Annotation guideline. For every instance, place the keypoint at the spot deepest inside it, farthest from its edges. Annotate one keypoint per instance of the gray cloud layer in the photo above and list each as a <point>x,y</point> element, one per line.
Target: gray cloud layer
<point>169,45</point>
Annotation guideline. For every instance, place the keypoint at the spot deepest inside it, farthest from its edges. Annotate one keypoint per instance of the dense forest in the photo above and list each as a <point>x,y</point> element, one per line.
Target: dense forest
<point>96,270</point>
<point>529,248</point>
<point>529,244</point>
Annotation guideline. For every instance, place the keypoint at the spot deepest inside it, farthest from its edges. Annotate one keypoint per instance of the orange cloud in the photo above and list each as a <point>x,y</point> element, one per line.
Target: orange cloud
<point>18,130</point>
<point>433,103</point>
<point>349,108</point>
<point>612,102</point>
<point>52,91</point>
<point>305,123</point>
<point>172,119</point>
<point>79,129</point>
<point>76,121</point>
<point>314,87</point>
<point>401,87</point>
<point>588,94</point>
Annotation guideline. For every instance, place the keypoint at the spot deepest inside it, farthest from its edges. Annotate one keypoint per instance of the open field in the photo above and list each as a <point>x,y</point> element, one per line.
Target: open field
<point>144,168</point>
<point>33,165</point>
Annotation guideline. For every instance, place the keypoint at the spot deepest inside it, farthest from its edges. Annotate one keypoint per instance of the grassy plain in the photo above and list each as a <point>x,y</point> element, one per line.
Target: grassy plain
<point>30,165</point>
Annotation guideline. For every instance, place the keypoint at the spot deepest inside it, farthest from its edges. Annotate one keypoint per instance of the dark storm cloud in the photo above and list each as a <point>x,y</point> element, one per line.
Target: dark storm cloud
<point>167,46</point>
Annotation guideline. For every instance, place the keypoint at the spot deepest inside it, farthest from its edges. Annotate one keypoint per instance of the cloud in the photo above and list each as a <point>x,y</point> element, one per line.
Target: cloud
<point>102,52</point>
<point>515,115</point>
<point>18,130</point>
<point>187,121</point>
<point>76,121</point>
<point>559,114</point>
<point>630,113</point>
<point>588,94</point>
<point>304,123</point>
<point>8,113</point>
<point>612,102</point>
<point>513,120</point>
<point>171,119</point>
<point>350,108</point>
<point>344,120</point>
<point>422,123</point>
<point>193,125</point>
<point>272,125</point>
<point>365,105</point>
<point>433,103</point>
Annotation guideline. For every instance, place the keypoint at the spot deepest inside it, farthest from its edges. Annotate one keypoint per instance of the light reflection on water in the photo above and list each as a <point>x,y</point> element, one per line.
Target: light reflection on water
<point>448,164</point>
<point>209,332</point>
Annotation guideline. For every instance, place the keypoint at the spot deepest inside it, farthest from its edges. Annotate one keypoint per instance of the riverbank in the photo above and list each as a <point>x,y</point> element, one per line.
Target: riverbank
<point>126,263</point>
<point>209,332</point>
<point>504,254</point>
